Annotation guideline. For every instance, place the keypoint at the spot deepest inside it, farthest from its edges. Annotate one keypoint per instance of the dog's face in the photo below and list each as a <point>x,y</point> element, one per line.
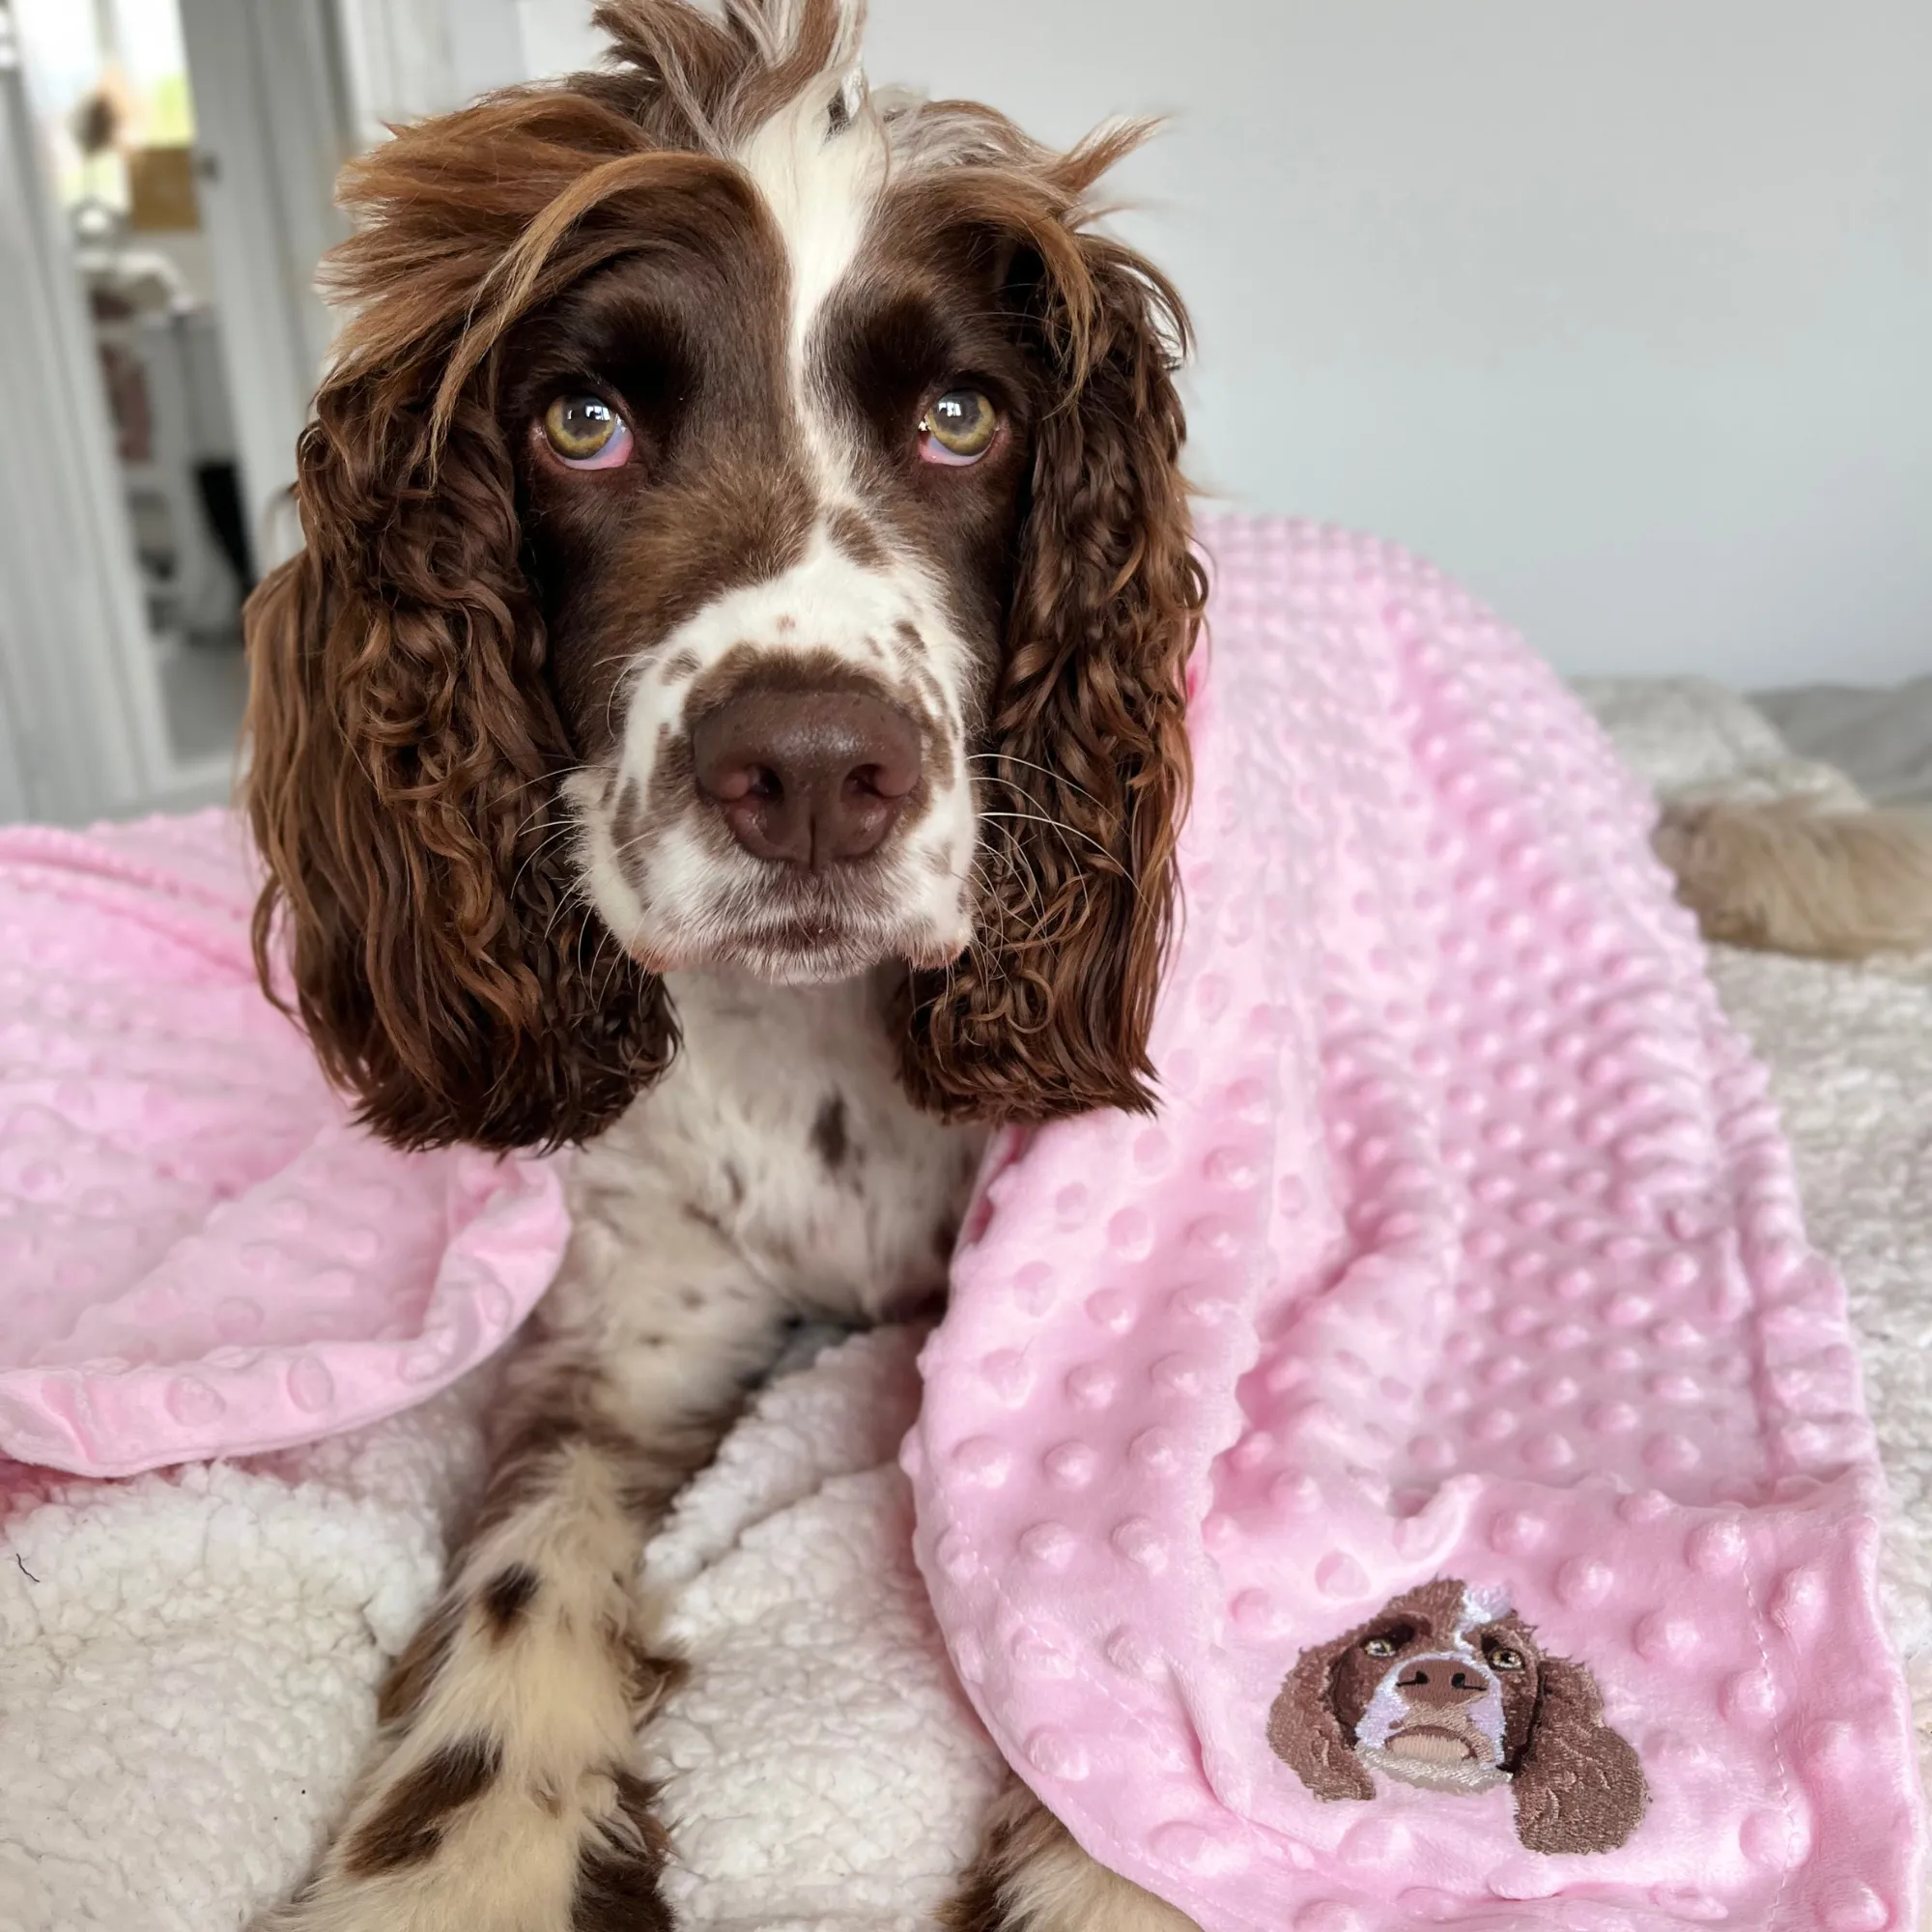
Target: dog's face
<point>772,489</point>
<point>744,529</point>
<point>1441,1692</point>
<point>1448,1690</point>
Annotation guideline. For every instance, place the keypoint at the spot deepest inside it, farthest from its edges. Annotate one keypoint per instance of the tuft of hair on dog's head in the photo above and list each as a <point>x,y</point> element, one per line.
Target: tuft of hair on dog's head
<point>425,900</point>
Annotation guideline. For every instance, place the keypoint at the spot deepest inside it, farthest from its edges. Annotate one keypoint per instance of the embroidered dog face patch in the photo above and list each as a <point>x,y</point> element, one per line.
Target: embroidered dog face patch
<point>1447,1690</point>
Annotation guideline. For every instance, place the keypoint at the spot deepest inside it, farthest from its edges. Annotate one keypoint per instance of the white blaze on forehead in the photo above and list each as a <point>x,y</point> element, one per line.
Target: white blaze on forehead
<point>821,184</point>
<point>1484,1603</point>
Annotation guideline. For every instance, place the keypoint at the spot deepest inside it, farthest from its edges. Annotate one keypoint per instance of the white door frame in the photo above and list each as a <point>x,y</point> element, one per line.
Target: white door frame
<point>77,662</point>
<point>273,122</point>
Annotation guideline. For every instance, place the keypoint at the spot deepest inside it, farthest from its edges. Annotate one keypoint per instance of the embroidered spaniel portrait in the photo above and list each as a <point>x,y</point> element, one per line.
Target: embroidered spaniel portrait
<point>1448,1690</point>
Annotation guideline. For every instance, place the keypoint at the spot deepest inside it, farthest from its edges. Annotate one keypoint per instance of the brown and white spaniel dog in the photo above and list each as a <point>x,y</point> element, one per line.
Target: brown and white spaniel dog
<point>1448,1689</point>
<point>729,712</point>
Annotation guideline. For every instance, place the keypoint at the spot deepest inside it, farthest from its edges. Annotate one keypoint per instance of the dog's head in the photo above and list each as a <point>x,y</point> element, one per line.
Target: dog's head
<point>1448,1690</point>
<point>743,528</point>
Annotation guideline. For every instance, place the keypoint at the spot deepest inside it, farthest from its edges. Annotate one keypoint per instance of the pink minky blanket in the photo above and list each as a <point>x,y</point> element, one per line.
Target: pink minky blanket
<point>1421,1475</point>
<point>200,1254</point>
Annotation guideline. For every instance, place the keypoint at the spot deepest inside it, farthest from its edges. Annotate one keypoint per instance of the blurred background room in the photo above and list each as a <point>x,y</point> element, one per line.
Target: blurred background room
<point>1618,310</point>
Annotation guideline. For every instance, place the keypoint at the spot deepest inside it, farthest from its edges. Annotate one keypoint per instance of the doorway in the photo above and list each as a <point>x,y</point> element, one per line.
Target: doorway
<point>167,168</point>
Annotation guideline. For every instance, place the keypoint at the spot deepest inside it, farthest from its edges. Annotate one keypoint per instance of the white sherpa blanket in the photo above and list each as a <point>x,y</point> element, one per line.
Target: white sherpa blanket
<point>187,1660</point>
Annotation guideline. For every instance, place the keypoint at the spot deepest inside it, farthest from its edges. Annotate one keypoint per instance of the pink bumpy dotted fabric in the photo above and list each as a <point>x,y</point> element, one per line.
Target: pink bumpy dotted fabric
<point>199,1254</point>
<point>1420,1477</point>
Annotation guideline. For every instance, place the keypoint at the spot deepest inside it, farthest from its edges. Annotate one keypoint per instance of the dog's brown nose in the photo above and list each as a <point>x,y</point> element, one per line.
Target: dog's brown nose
<point>1442,1683</point>
<point>806,777</point>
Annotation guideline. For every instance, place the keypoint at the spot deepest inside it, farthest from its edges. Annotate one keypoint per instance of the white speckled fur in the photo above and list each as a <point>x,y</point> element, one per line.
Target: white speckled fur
<point>777,1171</point>
<point>668,902</point>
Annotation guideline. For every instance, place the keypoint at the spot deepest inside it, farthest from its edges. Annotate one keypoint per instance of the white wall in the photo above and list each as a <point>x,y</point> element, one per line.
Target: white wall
<point>1621,309</point>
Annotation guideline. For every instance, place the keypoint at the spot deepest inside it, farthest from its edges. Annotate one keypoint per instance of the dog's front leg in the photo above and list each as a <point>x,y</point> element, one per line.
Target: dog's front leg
<point>501,1796</point>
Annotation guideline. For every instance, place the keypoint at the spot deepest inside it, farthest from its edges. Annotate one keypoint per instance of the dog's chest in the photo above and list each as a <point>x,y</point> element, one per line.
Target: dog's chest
<point>782,1123</point>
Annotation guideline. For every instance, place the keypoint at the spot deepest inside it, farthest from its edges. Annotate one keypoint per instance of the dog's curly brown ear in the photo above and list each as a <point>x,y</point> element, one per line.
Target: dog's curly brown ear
<point>405,750</point>
<point>1086,772</point>
<point>1579,1786</point>
<point>1305,1733</point>
<point>402,792</point>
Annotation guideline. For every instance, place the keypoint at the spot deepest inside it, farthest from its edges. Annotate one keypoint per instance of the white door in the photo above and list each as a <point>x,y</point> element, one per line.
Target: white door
<point>118,692</point>
<point>72,634</point>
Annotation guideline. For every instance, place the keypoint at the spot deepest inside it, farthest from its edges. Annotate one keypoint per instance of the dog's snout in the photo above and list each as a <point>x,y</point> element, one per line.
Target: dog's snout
<point>808,777</point>
<point>1442,1683</point>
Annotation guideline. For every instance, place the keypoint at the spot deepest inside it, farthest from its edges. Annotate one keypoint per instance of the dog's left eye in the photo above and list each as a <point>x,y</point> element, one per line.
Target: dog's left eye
<point>1504,1658</point>
<point>586,432</point>
<point>958,427</point>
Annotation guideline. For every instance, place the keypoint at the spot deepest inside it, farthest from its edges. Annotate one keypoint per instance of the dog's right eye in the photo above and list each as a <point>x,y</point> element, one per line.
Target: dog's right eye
<point>586,432</point>
<point>958,428</point>
<point>1381,1646</point>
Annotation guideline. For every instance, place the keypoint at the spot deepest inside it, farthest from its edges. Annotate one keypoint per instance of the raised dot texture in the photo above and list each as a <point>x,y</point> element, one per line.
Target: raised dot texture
<point>1328,1914</point>
<point>1771,1841</point>
<point>191,1401</point>
<point>1454,1253</point>
<point>311,1386</point>
<point>1340,1575</point>
<point>984,1460</point>
<point>955,1554</point>
<point>1851,1906</point>
<point>1072,1465</point>
<point>1090,1387</point>
<point>1050,1545</point>
<point>1716,1548</point>
<point>1131,1654</point>
<point>1008,1375</point>
<point>1140,1543</point>
<point>1205,1854</point>
<point>1055,1754</point>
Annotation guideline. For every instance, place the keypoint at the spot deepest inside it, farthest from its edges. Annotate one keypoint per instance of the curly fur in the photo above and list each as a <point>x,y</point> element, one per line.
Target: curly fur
<point>407,735</point>
<point>1579,1786</point>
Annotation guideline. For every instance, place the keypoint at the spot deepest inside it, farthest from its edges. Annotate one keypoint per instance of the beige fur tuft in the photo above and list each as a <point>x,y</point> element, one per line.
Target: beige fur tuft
<point>1786,876</point>
<point>1032,1877</point>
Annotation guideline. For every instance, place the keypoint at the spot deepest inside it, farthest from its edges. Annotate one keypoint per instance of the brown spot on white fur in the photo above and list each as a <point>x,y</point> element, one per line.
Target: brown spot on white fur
<point>507,1596</point>
<point>407,1827</point>
<point>830,1138</point>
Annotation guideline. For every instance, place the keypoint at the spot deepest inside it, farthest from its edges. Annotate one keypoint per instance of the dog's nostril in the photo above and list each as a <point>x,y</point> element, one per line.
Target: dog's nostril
<point>874,782</point>
<point>728,786</point>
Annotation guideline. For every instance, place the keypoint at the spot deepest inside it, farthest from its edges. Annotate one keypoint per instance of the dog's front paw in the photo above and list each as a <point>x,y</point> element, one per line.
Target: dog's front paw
<point>451,1841</point>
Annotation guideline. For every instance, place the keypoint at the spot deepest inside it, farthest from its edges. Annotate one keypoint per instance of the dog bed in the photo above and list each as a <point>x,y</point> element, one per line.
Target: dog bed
<point>188,1660</point>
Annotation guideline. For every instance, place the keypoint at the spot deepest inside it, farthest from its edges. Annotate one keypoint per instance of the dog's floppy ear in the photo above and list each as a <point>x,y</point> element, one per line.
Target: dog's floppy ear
<point>1086,772</point>
<point>1306,1734</point>
<point>406,750</point>
<point>1578,1785</point>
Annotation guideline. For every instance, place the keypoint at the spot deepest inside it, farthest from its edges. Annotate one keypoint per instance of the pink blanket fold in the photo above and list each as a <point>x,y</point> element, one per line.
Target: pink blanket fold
<point>199,1254</point>
<point>1421,1477</point>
